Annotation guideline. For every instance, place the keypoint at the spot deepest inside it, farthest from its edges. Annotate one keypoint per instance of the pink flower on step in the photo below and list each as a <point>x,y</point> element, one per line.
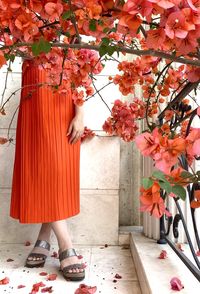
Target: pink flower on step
<point>84,289</point>
<point>176,284</point>
<point>163,254</point>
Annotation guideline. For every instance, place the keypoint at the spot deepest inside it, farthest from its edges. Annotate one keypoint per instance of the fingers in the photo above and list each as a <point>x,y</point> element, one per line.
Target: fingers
<point>70,129</point>
<point>75,136</point>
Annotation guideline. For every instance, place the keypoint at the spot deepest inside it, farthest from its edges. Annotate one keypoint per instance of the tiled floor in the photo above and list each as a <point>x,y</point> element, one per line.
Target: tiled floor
<point>103,263</point>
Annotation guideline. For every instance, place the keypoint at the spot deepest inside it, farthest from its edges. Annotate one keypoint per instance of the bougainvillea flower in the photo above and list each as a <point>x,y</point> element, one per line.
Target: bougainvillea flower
<point>194,75</point>
<point>131,21</point>
<point>196,202</point>
<point>194,4</point>
<point>163,254</point>
<point>148,143</point>
<point>152,201</point>
<point>84,289</point>
<point>87,134</point>
<point>2,59</point>
<point>169,153</point>
<point>165,4</point>
<point>175,177</point>
<point>3,140</point>
<point>54,10</point>
<point>193,144</point>
<point>155,38</point>
<point>176,284</point>
<point>134,7</point>
<point>176,26</point>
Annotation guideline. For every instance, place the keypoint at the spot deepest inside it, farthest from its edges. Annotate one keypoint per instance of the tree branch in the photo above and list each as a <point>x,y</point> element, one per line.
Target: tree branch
<point>138,52</point>
<point>181,95</point>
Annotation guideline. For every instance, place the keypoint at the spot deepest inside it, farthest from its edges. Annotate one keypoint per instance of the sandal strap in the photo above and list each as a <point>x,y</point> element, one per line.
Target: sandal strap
<point>67,253</point>
<point>42,243</point>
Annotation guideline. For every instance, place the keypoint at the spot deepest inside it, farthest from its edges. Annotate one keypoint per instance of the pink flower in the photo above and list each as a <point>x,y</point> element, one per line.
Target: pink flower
<point>176,26</point>
<point>155,38</point>
<point>165,4</point>
<point>54,10</point>
<point>148,143</point>
<point>194,4</point>
<point>176,284</point>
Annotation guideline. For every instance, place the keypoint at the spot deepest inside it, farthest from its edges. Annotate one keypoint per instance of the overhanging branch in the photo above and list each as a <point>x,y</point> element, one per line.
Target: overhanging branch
<point>138,52</point>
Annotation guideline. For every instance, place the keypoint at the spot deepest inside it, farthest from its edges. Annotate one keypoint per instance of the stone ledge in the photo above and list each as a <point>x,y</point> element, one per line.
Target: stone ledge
<point>155,274</point>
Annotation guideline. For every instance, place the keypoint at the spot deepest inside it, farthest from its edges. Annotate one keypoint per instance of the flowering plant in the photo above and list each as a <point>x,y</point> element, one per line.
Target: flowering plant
<point>165,37</point>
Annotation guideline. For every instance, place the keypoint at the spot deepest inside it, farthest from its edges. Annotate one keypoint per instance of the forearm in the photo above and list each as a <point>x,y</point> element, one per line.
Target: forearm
<point>79,111</point>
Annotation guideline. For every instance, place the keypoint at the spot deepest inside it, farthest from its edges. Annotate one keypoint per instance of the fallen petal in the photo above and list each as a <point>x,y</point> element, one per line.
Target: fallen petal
<point>9,260</point>
<point>47,290</point>
<point>20,286</point>
<point>179,246</point>
<point>43,274</point>
<point>176,284</point>
<point>117,276</point>
<point>54,254</point>
<point>84,289</point>
<point>52,277</point>
<point>163,254</point>
<point>27,243</point>
<point>4,281</point>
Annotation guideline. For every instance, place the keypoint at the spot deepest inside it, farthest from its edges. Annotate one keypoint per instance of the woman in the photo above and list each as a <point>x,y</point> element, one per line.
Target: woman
<point>45,187</point>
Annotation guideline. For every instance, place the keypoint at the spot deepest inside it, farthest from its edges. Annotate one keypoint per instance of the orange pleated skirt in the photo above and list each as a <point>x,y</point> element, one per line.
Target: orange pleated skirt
<point>45,183</point>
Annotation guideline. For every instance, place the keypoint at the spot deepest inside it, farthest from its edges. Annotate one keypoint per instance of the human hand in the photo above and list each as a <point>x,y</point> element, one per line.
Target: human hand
<point>76,129</point>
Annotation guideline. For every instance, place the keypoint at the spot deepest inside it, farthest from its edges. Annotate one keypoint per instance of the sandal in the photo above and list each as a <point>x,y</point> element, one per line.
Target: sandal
<point>66,274</point>
<point>41,262</point>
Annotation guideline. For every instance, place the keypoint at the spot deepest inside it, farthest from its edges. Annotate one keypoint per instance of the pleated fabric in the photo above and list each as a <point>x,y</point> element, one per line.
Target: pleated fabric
<point>46,173</point>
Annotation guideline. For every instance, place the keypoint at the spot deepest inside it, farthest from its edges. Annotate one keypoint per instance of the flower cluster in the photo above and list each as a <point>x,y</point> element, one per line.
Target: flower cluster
<point>165,151</point>
<point>71,69</point>
<point>122,120</point>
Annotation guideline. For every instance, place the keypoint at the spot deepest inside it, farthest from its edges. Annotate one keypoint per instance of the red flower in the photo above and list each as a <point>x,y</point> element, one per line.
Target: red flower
<point>87,134</point>
<point>84,289</point>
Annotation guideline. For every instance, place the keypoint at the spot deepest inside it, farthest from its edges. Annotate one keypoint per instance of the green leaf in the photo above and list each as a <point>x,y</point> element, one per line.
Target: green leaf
<point>159,175</point>
<point>102,50</point>
<point>186,174</point>
<point>111,50</point>
<point>92,25</point>
<point>179,191</point>
<point>106,30</point>
<point>165,186</point>
<point>147,183</point>
<point>105,41</point>
<point>67,15</point>
<point>10,57</point>
<point>41,46</point>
